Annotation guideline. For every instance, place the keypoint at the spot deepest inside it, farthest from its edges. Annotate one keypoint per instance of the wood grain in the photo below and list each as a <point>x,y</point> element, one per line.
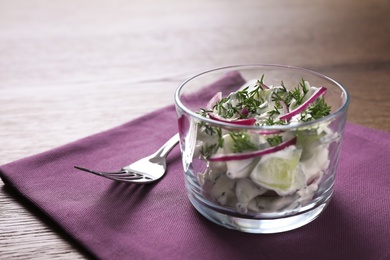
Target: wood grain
<point>69,69</point>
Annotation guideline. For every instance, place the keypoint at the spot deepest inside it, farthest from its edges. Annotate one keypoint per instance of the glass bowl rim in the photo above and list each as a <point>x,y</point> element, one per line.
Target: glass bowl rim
<point>342,109</point>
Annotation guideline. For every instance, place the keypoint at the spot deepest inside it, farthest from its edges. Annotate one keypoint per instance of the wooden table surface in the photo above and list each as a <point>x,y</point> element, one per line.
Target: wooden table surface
<point>72,68</point>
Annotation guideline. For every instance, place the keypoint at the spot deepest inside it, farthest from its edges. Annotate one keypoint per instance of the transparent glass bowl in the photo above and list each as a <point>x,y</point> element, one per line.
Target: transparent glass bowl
<point>238,201</point>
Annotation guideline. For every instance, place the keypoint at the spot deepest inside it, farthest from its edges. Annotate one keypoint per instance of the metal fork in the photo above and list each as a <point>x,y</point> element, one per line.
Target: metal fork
<point>145,170</point>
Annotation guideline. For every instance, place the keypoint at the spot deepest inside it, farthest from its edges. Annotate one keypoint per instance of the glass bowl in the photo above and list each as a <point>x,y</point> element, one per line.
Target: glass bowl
<point>235,175</point>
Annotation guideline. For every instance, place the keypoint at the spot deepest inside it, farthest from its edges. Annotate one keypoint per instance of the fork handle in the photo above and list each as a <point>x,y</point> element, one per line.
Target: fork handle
<point>168,146</point>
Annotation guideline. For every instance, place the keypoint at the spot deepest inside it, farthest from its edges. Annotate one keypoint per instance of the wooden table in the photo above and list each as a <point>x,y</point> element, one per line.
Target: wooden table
<point>71,68</point>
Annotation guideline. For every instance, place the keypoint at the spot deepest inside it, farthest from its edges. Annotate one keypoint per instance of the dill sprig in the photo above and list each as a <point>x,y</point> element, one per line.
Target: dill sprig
<point>225,108</point>
<point>208,149</point>
<point>205,127</point>
<point>316,110</point>
<point>242,142</point>
<point>247,102</point>
<point>298,93</point>
<point>275,140</point>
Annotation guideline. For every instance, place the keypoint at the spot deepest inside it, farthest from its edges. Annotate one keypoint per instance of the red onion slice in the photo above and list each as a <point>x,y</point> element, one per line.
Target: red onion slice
<point>269,132</point>
<point>264,86</point>
<point>244,111</point>
<point>318,93</point>
<point>285,107</point>
<point>243,156</point>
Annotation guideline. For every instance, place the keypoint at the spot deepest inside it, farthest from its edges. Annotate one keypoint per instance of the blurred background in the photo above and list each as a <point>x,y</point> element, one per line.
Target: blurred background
<point>71,68</point>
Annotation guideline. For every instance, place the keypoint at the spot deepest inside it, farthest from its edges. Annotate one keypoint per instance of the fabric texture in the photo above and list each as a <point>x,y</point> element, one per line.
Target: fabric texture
<point>127,221</point>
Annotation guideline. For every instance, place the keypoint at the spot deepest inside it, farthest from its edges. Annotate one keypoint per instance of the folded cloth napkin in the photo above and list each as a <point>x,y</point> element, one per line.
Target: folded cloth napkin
<point>127,221</point>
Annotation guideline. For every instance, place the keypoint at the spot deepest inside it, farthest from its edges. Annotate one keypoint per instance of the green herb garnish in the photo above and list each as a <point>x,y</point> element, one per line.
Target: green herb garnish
<point>298,94</point>
<point>316,110</point>
<point>273,101</point>
<point>207,150</point>
<point>242,142</point>
<point>273,141</point>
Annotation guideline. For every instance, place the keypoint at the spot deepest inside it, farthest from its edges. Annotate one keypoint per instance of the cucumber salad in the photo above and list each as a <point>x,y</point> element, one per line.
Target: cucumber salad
<point>260,170</point>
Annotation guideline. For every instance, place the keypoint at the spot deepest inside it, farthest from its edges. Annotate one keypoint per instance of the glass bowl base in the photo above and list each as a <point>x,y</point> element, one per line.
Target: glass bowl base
<point>259,226</point>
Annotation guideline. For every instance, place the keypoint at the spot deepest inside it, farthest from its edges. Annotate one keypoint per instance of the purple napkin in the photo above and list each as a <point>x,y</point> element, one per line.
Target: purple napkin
<point>125,221</point>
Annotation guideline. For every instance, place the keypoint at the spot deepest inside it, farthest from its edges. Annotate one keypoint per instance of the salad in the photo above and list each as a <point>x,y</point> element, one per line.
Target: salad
<point>261,170</point>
